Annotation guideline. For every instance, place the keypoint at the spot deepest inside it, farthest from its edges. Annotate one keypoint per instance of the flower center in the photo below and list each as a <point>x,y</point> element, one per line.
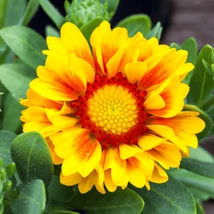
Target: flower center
<point>112,109</point>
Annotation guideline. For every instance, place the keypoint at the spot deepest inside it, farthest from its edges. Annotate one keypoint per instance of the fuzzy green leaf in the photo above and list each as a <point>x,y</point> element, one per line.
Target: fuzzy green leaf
<point>52,12</point>
<point>121,201</point>
<point>136,23</point>
<point>170,197</point>
<point>26,44</point>
<point>31,198</point>
<point>31,154</point>
<point>6,139</point>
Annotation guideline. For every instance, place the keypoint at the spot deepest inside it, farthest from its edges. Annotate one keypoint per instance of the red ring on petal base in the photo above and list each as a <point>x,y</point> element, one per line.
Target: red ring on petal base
<point>110,133</point>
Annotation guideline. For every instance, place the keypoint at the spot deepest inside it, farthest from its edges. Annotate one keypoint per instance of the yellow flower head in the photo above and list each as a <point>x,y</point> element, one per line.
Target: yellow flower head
<point>113,115</point>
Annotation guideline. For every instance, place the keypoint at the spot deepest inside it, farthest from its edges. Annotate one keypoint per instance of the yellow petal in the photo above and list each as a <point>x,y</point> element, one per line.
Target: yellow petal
<point>159,175</point>
<point>187,139</point>
<point>172,106</point>
<point>34,113</point>
<point>134,71</point>
<point>166,154</point>
<point>183,70</point>
<point>186,121</point>
<point>163,69</point>
<point>35,126</point>
<point>87,183</point>
<point>127,151</point>
<point>75,42</point>
<point>56,91</point>
<point>81,68</point>
<point>121,58</point>
<point>85,153</point>
<point>34,99</point>
<point>136,175</point>
<point>64,118</point>
<point>146,163</point>
<point>167,133</point>
<point>154,101</point>
<point>147,48</point>
<point>56,160</point>
<point>117,166</point>
<point>104,44</point>
<point>149,141</point>
<point>71,179</point>
<point>57,57</point>
<point>110,185</point>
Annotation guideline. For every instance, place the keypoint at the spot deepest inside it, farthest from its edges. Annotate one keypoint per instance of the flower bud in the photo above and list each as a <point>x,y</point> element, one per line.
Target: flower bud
<point>82,11</point>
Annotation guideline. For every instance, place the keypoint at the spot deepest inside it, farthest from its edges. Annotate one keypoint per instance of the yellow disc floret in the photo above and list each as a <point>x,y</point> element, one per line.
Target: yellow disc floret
<point>113,108</point>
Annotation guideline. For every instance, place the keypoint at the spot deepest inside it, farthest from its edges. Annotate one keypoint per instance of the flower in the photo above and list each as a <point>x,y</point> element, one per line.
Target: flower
<point>112,116</point>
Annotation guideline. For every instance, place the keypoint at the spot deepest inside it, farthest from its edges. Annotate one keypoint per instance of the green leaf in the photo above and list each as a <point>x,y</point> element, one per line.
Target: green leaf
<point>204,116</point>
<point>208,105</point>
<point>16,78</point>
<point>51,31</point>
<point>30,11</point>
<point>198,194</point>
<point>58,192</point>
<point>170,197</point>
<point>136,23</point>
<point>203,187</point>
<point>190,45</point>
<point>201,154</point>
<point>202,83</point>
<point>3,92</point>
<point>3,6</point>
<point>31,154</point>
<point>26,43</point>
<point>52,12</point>
<point>11,114</point>
<point>200,209</point>
<point>31,198</point>
<point>15,10</point>
<point>198,167</point>
<point>60,212</point>
<point>121,201</point>
<point>176,46</point>
<point>6,139</point>
<point>155,32</point>
<point>88,28</point>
